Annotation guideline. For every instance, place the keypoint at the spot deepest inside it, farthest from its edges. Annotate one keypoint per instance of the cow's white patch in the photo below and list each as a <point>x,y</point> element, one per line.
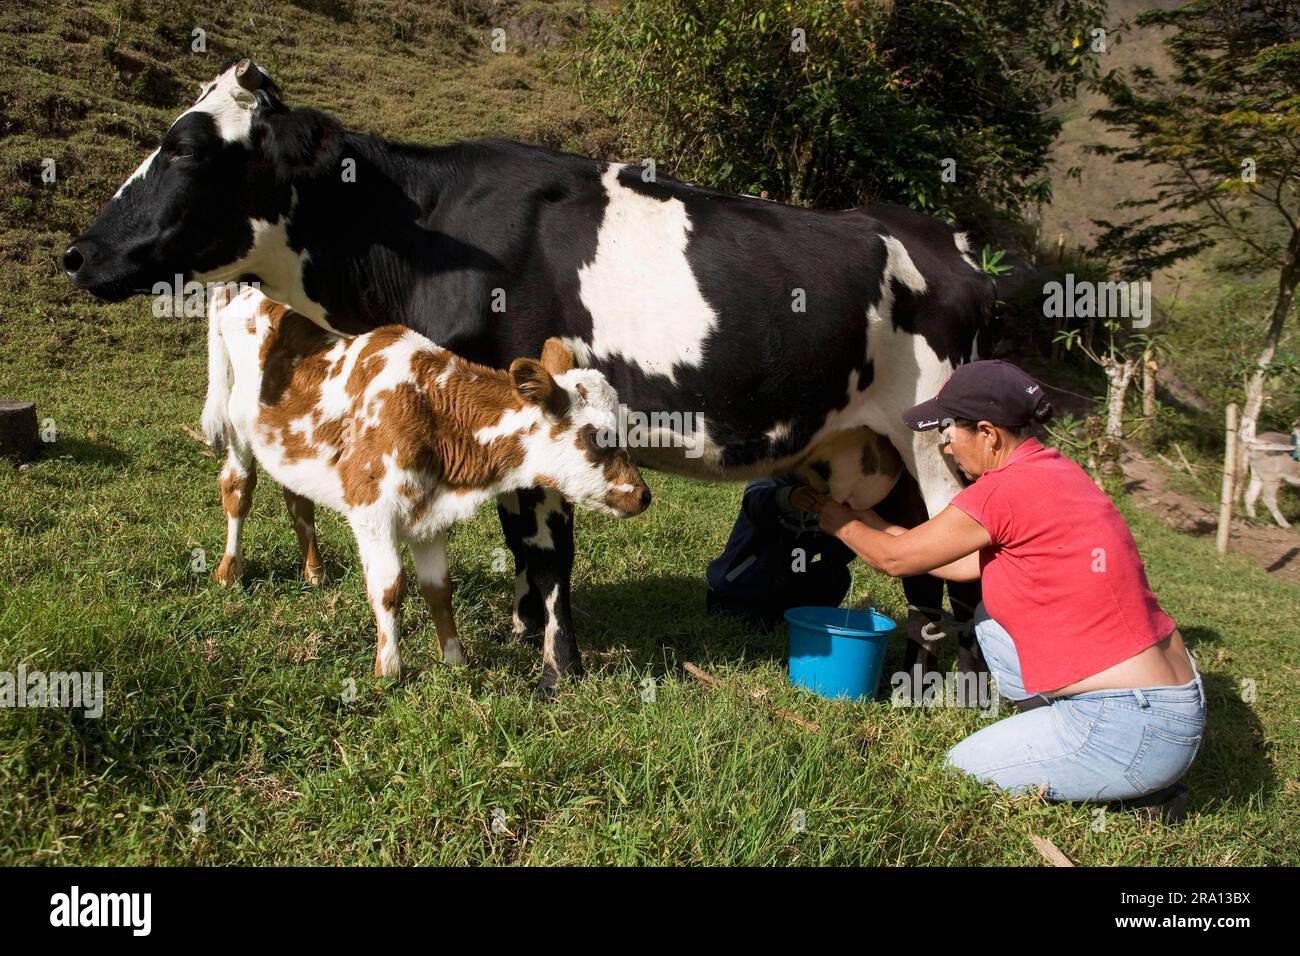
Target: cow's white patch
<point>906,371</point>
<point>899,267</point>
<point>642,244</point>
<point>140,172</point>
<point>962,242</point>
<point>552,629</point>
<point>278,267</point>
<point>229,105</point>
<point>779,432</point>
<point>542,539</point>
<point>231,109</point>
<point>511,422</point>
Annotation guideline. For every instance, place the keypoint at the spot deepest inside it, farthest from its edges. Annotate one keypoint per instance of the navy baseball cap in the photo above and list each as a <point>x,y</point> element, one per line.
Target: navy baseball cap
<point>989,390</point>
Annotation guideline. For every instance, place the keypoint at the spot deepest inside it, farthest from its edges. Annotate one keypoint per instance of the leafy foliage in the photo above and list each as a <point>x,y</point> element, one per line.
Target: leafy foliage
<point>1224,129</point>
<point>834,104</point>
<point>990,262</point>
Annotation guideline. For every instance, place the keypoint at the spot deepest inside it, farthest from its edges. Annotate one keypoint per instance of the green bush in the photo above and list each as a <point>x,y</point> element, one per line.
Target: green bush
<point>868,107</point>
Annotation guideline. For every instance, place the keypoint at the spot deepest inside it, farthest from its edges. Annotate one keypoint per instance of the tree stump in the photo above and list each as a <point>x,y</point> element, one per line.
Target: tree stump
<point>18,438</point>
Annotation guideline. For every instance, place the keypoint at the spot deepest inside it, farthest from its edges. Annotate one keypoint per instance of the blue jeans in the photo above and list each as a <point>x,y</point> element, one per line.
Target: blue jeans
<point>1097,746</point>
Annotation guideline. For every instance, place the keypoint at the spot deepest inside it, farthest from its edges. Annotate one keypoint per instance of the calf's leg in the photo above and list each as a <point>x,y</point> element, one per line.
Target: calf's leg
<point>238,479</point>
<point>303,513</point>
<point>434,576</point>
<point>525,612</point>
<point>539,528</point>
<point>385,589</point>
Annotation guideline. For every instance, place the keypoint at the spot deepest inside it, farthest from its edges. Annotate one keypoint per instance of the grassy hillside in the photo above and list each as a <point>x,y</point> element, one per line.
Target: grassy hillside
<point>93,86</point>
<point>231,702</point>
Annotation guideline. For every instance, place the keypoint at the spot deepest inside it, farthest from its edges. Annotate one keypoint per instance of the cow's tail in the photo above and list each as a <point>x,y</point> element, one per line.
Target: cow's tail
<point>216,414</point>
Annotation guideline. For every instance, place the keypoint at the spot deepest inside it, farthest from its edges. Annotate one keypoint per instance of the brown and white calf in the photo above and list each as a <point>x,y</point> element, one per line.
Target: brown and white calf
<point>403,438</point>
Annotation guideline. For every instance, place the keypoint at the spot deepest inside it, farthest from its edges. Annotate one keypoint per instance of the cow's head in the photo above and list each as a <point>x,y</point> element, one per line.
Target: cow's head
<point>210,203</point>
<point>579,454</point>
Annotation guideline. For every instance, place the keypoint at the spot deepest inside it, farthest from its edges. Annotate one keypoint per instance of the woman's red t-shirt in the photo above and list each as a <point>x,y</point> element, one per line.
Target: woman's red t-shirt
<point>1063,574</point>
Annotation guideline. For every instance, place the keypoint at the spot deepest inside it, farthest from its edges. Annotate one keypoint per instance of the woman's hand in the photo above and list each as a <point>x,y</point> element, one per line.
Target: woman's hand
<point>947,545</point>
<point>806,499</point>
<point>832,516</point>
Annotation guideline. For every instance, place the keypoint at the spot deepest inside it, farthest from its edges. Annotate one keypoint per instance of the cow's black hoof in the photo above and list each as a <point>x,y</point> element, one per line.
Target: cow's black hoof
<point>548,686</point>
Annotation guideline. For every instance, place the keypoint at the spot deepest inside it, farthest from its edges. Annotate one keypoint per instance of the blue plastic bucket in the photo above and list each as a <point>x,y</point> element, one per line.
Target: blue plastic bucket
<point>835,652</point>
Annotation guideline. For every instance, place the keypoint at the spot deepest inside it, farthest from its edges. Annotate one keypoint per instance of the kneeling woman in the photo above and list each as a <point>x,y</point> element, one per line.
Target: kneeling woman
<point>1068,618</point>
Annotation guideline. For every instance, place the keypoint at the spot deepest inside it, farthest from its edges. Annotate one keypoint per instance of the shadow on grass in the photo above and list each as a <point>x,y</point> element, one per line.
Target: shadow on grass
<point>656,624</point>
<point>655,621</point>
<point>282,575</point>
<point>1233,762</point>
<point>1283,561</point>
<point>84,451</point>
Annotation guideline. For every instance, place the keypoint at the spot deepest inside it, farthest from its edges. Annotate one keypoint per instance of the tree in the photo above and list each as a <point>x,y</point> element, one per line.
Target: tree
<point>1124,356</point>
<point>1224,130</point>
<point>836,103</point>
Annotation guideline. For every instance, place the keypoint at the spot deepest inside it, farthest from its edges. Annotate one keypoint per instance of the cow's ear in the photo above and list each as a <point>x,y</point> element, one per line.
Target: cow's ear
<point>557,358</point>
<point>535,384</point>
<point>298,143</point>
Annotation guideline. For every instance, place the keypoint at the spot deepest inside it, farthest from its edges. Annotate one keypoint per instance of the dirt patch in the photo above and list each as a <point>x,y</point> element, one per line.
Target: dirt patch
<point>1277,550</point>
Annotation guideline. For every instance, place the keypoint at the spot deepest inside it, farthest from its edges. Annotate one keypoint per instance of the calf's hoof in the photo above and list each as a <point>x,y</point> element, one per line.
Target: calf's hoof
<point>388,665</point>
<point>229,571</point>
<point>313,574</point>
<point>453,654</point>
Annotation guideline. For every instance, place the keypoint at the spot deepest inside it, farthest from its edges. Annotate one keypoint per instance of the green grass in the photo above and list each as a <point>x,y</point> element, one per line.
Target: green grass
<point>231,702</point>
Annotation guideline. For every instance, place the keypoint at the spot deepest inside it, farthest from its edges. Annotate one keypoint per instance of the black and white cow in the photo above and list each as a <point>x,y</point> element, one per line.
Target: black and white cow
<point>774,327</point>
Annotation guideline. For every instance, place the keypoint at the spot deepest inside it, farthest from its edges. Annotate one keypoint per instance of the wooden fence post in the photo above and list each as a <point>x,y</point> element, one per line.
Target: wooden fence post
<point>1229,479</point>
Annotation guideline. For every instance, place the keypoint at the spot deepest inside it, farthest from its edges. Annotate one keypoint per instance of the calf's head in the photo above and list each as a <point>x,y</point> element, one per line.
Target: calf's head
<point>578,454</point>
<point>212,201</point>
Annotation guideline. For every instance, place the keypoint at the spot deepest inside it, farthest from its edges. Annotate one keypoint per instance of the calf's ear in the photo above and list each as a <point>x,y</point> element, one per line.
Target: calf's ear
<point>532,381</point>
<point>298,143</point>
<point>557,358</point>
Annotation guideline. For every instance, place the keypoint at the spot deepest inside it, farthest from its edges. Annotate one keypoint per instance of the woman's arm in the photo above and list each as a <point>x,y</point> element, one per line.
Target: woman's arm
<point>963,569</point>
<point>946,546</point>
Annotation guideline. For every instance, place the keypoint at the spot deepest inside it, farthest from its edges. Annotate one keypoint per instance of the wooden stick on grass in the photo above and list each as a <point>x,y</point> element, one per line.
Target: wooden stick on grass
<point>1049,852</point>
<point>704,677</point>
<point>206,453</point>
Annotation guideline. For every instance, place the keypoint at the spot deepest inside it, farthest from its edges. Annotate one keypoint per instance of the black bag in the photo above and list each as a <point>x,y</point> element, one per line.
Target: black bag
<point>776,558</point>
